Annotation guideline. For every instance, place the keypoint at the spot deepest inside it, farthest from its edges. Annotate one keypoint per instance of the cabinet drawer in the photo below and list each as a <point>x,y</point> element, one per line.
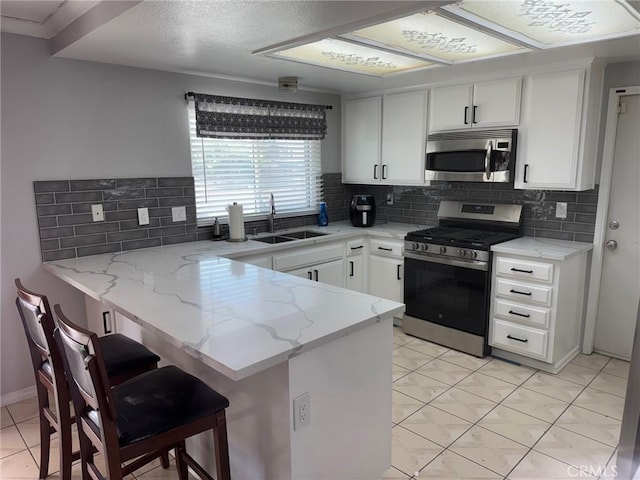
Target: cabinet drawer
<point>524,292</point>
<point>308,256</point>
<point>543,272</point>
<point>519,339</point>
<point>386,248</point>
<point>521,313</point>
<point>355,247</point>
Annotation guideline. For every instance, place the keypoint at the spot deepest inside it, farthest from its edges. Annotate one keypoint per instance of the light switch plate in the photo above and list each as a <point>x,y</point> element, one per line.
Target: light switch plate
<point>97,214</point>
<point>179,214</point>
<point>143,216</point>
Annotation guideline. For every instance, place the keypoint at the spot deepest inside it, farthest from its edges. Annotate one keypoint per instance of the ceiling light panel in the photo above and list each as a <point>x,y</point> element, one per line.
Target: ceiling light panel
<point>343,55</point>
<point>553,23</point>
<point>429,34</point>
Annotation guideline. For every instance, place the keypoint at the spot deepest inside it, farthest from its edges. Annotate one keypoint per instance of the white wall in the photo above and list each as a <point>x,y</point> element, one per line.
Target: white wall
<point>68,119</point>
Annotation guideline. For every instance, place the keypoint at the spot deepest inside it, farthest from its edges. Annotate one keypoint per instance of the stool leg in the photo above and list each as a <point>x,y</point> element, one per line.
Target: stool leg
<point>221,447</point>
<point>164,459</point>
<point>45,431</point>
<point>65,437</point>
<point>183,471</point>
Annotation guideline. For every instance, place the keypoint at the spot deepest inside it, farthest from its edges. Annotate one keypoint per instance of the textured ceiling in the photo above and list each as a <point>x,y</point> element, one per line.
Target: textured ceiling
<point>217,37</point>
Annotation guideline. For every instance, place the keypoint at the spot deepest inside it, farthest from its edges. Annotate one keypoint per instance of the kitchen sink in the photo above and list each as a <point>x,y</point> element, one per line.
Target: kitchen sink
<point>274,239</point>
<point>303,234</point>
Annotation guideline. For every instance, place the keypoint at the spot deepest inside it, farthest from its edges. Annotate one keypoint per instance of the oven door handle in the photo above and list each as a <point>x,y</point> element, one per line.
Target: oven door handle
<point>474,265</point>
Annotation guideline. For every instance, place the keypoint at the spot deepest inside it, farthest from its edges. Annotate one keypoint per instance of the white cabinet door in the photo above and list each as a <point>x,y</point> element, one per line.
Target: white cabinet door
<point>450,108</point>
<point>331,273</point>
<point>361,140</point>
<point>386,277</point>
<point>496,103</point>
<point>404,130</point>
<point>355,274</point>
<point>549,140</point>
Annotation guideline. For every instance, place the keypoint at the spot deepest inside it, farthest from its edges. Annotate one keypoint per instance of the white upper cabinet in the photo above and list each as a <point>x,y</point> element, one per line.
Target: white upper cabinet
<point>404,133</point>
<point>384,139</point>
<point>558,133</point>
<point>480,105</point>
<point>361,140</point>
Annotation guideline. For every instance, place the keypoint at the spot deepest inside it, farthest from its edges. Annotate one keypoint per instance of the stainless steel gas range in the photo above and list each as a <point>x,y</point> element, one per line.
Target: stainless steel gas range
<point>448,273</point>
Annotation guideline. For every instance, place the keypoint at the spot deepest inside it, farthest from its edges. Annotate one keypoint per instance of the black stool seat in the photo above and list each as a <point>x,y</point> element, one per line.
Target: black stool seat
<point>121,354</point>
<point>161,400</point>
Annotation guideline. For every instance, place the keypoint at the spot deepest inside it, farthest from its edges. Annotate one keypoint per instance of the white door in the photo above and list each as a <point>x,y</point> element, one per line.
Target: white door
<point>355,273</point>
<point>496,103</point>
<point>361,140</point>
<point>331,273</point>
<point>450,108</point>
<point>404,131</point>
<point>620,281</point>
<point>386,278</point>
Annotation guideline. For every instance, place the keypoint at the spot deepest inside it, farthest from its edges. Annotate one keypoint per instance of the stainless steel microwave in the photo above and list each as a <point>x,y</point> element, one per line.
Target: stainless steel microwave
<point>472,156</point>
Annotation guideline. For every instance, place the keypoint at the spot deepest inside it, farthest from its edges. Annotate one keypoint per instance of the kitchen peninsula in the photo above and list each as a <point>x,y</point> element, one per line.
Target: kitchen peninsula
<point>263,339</point>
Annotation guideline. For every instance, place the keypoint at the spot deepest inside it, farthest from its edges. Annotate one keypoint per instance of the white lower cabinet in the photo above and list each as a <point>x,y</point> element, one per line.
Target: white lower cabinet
<point>323,263</point>
<point>331,273</point>
<point>536,309</point>
<point>386,270</point>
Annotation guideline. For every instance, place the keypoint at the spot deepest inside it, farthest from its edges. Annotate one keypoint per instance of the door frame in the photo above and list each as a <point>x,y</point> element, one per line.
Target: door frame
<point>606,173</point>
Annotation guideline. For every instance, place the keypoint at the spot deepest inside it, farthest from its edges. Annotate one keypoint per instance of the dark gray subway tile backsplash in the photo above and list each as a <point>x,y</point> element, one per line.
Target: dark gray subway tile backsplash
<point>67,230</point>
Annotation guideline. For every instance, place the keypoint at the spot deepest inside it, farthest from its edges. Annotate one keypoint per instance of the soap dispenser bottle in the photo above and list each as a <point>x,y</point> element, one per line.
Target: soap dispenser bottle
<point>323,218</point>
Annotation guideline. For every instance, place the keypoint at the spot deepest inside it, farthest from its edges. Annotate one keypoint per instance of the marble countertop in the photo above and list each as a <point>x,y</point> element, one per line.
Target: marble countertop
<point>237,318</point>
<point>548,248</point>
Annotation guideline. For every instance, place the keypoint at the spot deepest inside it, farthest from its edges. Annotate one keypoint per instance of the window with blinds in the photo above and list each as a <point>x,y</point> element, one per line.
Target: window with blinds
<point>246,171</point>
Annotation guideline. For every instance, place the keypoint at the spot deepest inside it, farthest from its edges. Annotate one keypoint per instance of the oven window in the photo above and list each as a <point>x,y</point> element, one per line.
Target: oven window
<point>452,296</point>
<point>460,161</point>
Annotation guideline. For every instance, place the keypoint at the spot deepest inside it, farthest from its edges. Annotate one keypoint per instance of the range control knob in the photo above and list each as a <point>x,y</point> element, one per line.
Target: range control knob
<point>415,246</point>
<point>424,247</point>
<point>473,254</point>
<point>443,250</point>
<point>462,252</point>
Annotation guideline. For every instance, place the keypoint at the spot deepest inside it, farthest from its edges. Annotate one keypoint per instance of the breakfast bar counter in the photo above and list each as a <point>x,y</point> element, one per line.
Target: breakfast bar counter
<point>263,339</point>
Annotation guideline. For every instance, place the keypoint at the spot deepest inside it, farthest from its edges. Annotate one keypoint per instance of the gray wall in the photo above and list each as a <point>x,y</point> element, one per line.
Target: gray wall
<point>68,119</point>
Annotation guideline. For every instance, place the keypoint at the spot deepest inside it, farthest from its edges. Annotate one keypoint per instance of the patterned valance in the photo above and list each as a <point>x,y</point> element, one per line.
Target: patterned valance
<point>232,117</point>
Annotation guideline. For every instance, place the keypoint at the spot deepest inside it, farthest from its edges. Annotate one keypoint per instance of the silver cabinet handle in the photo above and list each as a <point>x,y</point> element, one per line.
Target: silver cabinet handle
<point>611,245</point>
<point>384,172</point>
<point>375,172</point>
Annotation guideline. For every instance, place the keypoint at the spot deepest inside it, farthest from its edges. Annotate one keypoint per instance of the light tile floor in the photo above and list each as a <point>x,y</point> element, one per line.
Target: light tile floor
<point>460,417</point>
<point>454,417</point>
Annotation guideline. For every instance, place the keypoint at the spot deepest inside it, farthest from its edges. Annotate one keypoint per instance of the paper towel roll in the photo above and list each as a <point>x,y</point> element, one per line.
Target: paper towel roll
<point>236,222</point>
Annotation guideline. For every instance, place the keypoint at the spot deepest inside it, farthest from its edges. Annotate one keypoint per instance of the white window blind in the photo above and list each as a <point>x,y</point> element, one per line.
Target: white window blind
<point>246,171</point>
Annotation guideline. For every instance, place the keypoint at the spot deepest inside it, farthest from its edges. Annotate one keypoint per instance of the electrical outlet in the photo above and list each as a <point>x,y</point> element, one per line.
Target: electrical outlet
<point>301,411</point>
<point>143,216</point>
<point>561,209</point>
<point>97,213</point>
<point>179,214</point>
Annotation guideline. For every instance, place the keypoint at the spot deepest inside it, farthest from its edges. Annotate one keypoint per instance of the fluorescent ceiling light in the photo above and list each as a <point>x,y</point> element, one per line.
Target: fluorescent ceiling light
<point>436,37</point>
<point>553,23</point>
<point>343,55</point>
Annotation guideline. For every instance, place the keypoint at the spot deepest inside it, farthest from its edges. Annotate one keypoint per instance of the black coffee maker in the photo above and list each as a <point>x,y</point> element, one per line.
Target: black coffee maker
<point>362,210</point>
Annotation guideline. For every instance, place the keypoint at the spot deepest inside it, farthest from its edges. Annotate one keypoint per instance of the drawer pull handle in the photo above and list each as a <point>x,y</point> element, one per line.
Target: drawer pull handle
<point>525,315</point>
<point>514,269</point>
<point>523,340</point>
<point>385,249</point>
<point>358,247</point>
<point>520,293</point>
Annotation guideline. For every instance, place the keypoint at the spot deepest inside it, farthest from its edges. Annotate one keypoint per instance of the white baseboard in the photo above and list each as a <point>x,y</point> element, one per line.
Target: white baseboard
<point>14,397</point>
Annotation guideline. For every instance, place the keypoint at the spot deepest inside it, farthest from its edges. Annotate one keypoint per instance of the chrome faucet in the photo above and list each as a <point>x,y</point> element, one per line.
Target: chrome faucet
<point>272,215</point>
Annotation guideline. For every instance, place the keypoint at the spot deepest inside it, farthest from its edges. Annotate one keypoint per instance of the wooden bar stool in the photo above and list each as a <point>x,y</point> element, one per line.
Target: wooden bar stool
<point>140,418</point>
<point>124,359</point>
